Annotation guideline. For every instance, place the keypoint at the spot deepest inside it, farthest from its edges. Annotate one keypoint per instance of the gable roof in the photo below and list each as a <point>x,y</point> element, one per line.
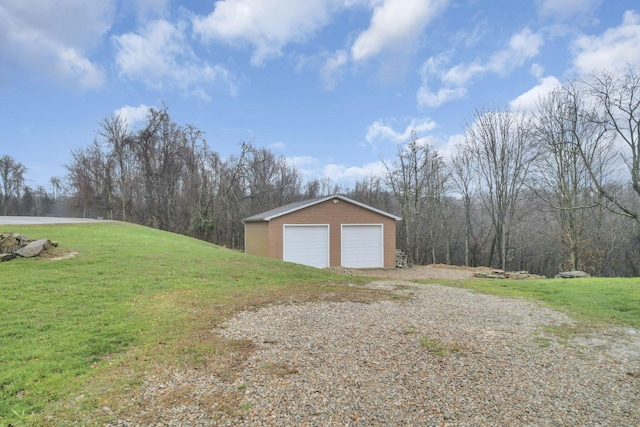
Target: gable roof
<point>296,206</point>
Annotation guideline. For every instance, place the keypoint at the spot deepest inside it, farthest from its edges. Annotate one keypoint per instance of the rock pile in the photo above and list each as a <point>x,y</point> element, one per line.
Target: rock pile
<point>402,260</point>
<point>501,274</point>
<point>14,245</point>
<point>575,274</point>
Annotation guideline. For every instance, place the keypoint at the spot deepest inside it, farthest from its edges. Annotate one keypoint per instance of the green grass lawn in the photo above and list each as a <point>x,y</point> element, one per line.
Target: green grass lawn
<point>79,333</point>
<point>594,300</point>
<point>129,291</point>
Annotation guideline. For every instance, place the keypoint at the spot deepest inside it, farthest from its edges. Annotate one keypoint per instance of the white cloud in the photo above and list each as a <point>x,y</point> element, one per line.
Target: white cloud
<point>302,162</point>
<point>151,9</point>
<point>71,65</point>
<point>427,98</point>
<point>394,24</point>
<point>133,115</point>
<point>447,149</point>
<point>528,101</point>
<point>350,174</point>
<point>332,68</point>
<point>47,37</point>
<point>71,23</point>
<point>433,70</point>
<point>522,46</point>
<point>309,167</point>
<point>278,146</point>
<point>536,70</point>
<point>613,50</point>
<point>460,74</point>
<point>565,9</point>
<point>267,25</point>
<point>160,57</point>
<point>379,131</point>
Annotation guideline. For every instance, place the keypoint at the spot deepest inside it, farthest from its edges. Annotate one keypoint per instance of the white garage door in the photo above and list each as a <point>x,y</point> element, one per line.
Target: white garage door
<point>306,244</point>
<point>362,246</point>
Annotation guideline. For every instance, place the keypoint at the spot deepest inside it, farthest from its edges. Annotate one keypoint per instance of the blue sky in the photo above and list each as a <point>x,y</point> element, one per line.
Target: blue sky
<point>332,85</point>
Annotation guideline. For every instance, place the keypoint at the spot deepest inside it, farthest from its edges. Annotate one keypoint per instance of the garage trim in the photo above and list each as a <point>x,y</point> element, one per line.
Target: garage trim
<point>362,245</point>
<point>301,251</point>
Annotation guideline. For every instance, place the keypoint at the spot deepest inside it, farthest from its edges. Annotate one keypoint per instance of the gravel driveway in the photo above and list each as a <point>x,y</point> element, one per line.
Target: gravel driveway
<point>445,356</point>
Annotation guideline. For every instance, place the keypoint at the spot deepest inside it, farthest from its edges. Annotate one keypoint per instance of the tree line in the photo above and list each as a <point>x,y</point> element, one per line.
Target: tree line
<point>558,189</point>
<point>18,198</point>
<point>549,191</point>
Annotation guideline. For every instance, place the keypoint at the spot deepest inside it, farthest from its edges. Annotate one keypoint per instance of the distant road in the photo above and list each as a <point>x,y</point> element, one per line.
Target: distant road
<point>31,220</point>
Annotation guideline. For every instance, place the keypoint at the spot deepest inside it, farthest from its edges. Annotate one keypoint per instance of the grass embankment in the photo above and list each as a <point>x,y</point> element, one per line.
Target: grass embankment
<point>84,328</point>
<point>593,300</point>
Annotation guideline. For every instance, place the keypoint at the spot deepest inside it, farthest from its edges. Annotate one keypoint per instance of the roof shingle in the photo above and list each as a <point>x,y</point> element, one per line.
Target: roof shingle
<point>295,206</point>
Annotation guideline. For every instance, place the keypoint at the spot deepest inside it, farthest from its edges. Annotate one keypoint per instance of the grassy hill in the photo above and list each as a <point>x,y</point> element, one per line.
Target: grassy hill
<point>121,298</point>
<point>84,326</point>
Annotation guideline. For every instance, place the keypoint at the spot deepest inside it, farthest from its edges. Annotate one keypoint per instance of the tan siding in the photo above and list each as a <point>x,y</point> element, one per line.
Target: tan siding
<point>334,214</point>
<point>256,238</point>
<point>389,243</point>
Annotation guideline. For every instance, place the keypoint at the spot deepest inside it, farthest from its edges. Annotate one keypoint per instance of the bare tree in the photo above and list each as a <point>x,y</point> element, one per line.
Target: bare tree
<point>115,133</point>
<point>372,192</point>
<point>270,180</point>
<point>231,193</point>
<point>562,127</point>
<point>435,230</point>
<point>501,145</point>
<point>618,99</point>
<point>12,175</point>
<point>158,147</point>
<point>56,186</point>
<point>81,180</point>
<point>90,173</point>
<point>319,187</point>
<point>403,178</point>
<point>202,221</point>
<point>36,202</point>
<point>416,180</point>
<point>462,168</point>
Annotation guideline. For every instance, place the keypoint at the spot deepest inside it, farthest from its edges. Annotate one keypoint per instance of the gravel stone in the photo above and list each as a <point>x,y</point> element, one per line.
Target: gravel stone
<point>444,356</point>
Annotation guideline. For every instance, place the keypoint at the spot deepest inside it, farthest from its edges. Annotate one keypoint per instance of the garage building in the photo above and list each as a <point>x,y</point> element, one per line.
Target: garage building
<point>328,231</point>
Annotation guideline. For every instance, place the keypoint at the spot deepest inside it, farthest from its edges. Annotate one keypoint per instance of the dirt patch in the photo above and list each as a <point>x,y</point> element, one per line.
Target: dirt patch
<point>58,255</point>
<point>621,342</point>
<point>422,272</point>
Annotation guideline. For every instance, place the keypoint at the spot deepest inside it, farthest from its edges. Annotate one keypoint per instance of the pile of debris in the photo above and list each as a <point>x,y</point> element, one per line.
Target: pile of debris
<point>402,260</point>
<point>14,245</point>
<point>346,271</point>
<point>501,274</point>
<point>575,274</point>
